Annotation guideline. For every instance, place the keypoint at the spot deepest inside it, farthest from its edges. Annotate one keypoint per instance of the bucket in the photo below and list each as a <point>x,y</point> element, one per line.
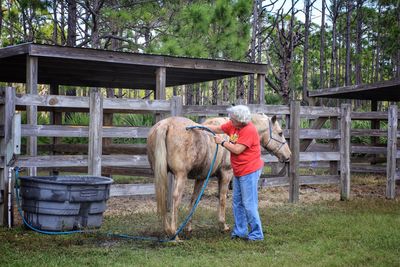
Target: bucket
<point>63,203</point>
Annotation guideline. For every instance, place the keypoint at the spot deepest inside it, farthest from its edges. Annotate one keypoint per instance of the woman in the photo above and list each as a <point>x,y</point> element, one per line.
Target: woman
<point>244,145</point>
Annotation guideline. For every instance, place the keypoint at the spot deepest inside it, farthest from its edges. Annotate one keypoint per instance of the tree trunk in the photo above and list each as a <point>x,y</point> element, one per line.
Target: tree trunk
<point>253,50</point>
<point>62,23</point>
<point>259,34</point>
<point>189,94</point>
<point>332,82</point>
<point>305,50</point>
<point>71,22</point>
<point>214,92</point>
<point>1,19</point>
<point>240,88</point>
<point>225,90</point>
<point>349,7</point>
<point>55,23</point>
<point>378,48</point>
<point>358,41</point>
<point>398,47</point>
<point>322,48</point>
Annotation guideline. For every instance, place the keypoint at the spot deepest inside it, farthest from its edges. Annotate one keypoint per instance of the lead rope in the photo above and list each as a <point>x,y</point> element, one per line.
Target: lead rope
<point>126,236</point>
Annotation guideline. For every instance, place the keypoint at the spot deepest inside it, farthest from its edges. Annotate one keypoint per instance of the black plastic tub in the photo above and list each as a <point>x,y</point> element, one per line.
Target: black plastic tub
<point>63,203</point>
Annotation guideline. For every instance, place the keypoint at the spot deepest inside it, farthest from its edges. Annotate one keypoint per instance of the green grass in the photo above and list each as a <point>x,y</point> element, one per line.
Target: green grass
<point>351,233</point>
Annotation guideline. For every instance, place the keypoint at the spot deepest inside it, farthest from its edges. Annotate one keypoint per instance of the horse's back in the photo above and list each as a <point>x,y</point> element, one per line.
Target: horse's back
<point>187,151</point>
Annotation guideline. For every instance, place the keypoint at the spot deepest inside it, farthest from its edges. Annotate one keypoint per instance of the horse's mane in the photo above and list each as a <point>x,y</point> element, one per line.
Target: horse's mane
<point>260,121</point>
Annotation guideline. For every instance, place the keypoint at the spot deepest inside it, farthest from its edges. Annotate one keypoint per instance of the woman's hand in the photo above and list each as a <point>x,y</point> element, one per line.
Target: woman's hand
<point>218,139</point>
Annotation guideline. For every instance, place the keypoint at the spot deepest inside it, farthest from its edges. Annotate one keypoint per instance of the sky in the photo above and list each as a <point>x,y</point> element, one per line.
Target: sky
<point>315,12</point>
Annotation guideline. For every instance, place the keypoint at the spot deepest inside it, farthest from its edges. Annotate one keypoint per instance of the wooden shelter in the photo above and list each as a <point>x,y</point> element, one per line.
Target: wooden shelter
<point>45,64</point>
<point>381,91</point>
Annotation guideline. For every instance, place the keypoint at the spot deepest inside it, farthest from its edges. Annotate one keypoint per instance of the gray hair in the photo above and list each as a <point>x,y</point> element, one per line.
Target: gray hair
<point>240,113</point>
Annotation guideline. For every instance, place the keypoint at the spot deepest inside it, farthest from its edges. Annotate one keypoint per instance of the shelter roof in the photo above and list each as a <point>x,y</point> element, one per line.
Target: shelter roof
<point>381,91</point>
<point>103,68</point>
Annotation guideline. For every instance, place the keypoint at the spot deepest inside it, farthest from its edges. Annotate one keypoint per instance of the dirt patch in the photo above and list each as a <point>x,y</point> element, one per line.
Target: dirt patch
<point>267,196</point>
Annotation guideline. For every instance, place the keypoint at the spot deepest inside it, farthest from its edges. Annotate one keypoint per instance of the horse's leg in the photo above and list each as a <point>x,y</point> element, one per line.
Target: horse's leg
<point>223,183</point>
<point>198,184</point>
<point>176,199</point>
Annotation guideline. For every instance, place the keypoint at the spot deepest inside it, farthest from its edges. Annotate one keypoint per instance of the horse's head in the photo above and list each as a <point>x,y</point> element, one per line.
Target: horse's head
<point>271,136</point>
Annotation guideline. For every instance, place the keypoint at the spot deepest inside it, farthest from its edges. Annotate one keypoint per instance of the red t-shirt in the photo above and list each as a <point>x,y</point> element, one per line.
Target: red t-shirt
<point>250,159</point>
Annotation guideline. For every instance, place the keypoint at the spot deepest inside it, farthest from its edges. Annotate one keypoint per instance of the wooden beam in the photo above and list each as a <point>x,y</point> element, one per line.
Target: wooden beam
<point>345,122</point>
<point>391,152</point>
<point>138,161</point>
<point>32,88</point>
<point>120,190</point>
<point>95,132</point>
<point>176,106</point>
<point>261,88</point>
<point>294,186</point>
<point>353,89</point>
<point>221,109</point>
<point>83,102</point>
<point>83,131</point>
<point>317,124</point>
<point>14,50</point>
<point>79,149</point>
<point>7,111</point>
<point>160,83</point>
<point>103,56</point>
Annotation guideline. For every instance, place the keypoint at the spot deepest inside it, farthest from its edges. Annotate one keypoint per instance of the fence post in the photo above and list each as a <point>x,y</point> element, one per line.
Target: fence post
<point>391,152</point>
<point>345,123</point>
<point>261,88</point>
<point>294,185</point>
<point>176,106</point>
<point>31,111</point>
<point>95,132</point>
<point>7,110</point>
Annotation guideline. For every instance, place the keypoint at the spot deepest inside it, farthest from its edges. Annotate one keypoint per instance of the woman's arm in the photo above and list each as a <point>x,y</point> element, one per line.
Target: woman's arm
<point>233,148</point>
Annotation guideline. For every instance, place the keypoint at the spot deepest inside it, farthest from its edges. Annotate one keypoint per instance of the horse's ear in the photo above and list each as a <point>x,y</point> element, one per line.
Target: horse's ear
<point>273,119</point>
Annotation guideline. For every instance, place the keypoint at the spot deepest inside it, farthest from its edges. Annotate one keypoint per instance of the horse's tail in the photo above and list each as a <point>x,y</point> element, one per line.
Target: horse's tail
<point>160,169</point>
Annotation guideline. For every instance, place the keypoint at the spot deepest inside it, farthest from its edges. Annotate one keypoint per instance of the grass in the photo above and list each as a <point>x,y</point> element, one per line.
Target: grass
<point>360,232</point>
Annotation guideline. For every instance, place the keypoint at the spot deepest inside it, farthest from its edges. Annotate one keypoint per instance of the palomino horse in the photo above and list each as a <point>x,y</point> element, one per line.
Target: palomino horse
<point>189,154</point>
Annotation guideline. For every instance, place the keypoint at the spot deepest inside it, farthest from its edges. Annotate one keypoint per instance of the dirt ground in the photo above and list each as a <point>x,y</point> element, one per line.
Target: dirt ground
<point>366,186</point>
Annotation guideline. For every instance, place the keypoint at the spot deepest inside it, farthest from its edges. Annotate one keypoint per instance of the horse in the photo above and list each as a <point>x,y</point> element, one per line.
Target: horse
<point>188,154</point>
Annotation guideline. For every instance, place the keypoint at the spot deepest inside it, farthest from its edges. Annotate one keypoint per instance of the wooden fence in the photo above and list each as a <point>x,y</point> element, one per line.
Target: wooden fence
<point>94,158</point>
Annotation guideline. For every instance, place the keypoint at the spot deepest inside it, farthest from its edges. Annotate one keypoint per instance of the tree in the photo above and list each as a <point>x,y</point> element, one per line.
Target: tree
<point>322,48</point>
<point>283,35</point>
<point>307,6</point>
<point>72,21</point>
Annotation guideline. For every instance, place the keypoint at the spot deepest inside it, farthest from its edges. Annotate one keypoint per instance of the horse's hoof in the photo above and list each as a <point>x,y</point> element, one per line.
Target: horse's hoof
<point>225,229</point>
<point>188,231</point>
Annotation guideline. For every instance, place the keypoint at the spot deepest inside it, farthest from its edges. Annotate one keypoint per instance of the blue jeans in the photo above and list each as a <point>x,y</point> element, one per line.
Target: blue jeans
<point>245,207</point>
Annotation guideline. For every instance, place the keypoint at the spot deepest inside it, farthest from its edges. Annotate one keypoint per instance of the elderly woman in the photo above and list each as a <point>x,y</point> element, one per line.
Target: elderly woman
<point>244,145</point>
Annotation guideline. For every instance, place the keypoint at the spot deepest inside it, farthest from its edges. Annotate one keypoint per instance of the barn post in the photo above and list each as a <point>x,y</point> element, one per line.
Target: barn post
<point>345,130</point>
<point>176,106</point>
<point>294,185</point>
<point>160,83</point>
<point>32,88</point>
<point>7,110</point>
<point>261,88</point>
<point>391,152</point>
<point>160,93</point>
<point>95,132</point>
